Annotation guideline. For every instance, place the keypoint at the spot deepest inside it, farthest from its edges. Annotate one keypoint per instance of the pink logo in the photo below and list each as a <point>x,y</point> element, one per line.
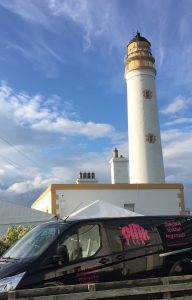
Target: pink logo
<point>135,233</point>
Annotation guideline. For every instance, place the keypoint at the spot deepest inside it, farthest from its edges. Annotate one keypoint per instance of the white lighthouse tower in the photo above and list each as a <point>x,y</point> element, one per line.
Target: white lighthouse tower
<point>145,151</point>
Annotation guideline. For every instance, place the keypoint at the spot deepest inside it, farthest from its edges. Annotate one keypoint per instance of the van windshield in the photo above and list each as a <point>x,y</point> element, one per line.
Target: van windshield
<point>35,241</point>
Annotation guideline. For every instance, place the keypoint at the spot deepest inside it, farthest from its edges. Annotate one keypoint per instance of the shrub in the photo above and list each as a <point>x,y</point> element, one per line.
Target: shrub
<point>3,247</point>
<point>13,234</point>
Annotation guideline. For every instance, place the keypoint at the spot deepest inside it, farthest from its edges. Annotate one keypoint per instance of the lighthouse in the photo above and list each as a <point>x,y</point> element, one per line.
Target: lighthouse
<point>145,150</point>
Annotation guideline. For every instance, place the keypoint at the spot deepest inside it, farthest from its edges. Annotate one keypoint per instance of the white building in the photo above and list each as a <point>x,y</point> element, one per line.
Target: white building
<point>147,192</point>
<point>146,199</point>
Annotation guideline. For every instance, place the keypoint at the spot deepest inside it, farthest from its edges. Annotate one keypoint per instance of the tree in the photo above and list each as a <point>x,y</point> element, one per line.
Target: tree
<point>13,234</point>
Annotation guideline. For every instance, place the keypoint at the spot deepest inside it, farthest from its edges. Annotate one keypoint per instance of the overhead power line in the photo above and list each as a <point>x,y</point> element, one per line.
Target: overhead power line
<point>12,163</point>
<point>21,152</point>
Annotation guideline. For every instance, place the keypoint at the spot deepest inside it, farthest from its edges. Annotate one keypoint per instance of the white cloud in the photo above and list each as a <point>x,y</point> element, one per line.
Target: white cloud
<point>42,56</point>
<point>168,136</point>
<point>27,10</point>
<point>43,47</point>
<point>88,162</point>
<point>68,173</point>
<point>161,56</point>
<point>179,121</point>
<point>92,17</point>
<point>177,145</point>
<point>70,127</point>
<point>21,105</point>
<point>29,185</point>
<point>33,113</point>
<point>2,172</point>
<point>32,157</point>
<point>179,104</point>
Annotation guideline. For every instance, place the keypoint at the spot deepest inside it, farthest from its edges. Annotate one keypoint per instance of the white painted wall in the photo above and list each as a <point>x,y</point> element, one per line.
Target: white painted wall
<point>145,159</point>
<point>147,202</point>
<point>119,170</point>
<point>44,204</point>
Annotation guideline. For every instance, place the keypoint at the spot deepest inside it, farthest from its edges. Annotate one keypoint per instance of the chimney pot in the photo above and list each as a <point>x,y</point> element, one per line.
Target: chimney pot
<point>115,153</point>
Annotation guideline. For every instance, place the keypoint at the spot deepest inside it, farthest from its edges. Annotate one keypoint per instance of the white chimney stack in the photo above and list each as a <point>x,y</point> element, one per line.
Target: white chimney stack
<point>119,168</point>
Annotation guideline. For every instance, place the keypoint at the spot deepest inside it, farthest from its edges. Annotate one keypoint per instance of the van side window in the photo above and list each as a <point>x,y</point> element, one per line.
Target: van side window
<point>117,242</point>
<point>90,240</point>
<point>82,243</point>
<point>71,244</point>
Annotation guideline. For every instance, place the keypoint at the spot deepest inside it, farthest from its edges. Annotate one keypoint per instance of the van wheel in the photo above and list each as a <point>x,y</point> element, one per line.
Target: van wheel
<point>181,267</point>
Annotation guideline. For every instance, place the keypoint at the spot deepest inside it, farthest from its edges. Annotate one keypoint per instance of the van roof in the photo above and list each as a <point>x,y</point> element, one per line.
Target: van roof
<point>161,217</point>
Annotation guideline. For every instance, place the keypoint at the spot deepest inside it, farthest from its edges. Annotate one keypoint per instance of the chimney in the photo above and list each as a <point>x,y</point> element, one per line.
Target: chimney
<point>119,168</point>
<point>86,177</point>
<point>115,153</point>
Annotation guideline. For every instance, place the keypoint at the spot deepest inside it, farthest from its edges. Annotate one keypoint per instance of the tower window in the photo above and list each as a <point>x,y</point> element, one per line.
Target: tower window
<point>151,138</point>
<point>147,94</point>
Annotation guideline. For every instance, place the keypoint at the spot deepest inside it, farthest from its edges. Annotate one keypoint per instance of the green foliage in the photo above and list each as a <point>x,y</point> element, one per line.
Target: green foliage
<point>3,247</point>
<point>13,234</point>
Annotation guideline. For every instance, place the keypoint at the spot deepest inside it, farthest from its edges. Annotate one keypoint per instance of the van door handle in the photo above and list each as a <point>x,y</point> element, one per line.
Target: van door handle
<point>120,257</point>
<point>103,260</point>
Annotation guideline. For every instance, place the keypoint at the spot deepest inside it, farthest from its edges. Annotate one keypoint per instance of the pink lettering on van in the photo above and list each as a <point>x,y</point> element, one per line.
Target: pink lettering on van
<point>135,233</point>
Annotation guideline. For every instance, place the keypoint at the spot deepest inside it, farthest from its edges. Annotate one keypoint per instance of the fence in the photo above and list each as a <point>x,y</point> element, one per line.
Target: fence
<point>176,287</point>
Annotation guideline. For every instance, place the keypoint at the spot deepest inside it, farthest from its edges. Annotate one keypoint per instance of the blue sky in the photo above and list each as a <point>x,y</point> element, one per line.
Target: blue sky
<point>63,104</point>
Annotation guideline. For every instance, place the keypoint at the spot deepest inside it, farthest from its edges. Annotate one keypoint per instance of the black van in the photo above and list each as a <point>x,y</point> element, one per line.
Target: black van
<point>97,250</point>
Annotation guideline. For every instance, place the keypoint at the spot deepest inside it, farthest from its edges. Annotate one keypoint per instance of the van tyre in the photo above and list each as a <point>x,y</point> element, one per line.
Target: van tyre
<point>181,267</point>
